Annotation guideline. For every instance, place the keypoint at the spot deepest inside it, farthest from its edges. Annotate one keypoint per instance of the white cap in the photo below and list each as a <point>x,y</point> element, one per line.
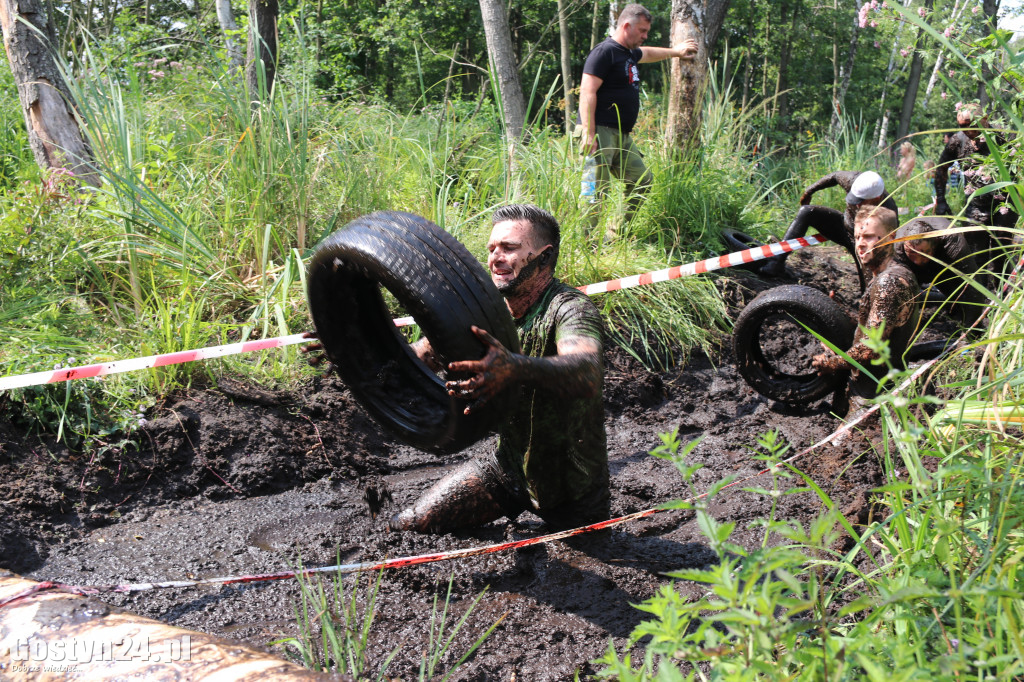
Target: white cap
<point>867,185</point>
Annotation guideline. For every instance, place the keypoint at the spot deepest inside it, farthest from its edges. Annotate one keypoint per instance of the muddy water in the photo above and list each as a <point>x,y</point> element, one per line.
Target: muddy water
<point>227,481</point>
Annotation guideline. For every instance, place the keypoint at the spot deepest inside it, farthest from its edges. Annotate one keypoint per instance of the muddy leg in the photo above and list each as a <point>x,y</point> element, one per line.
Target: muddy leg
<point>468,496</point>
<point>827,221</point>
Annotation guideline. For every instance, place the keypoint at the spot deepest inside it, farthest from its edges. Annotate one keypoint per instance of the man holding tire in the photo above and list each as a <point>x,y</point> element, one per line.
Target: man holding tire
<point>551,457</point>
<point>889,302</point>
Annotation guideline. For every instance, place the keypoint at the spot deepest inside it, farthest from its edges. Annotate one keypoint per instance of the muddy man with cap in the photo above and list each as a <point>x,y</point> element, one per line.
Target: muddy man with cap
<point>862,188</point>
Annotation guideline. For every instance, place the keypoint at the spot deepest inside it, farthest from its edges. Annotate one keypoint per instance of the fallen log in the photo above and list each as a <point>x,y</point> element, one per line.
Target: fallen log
<point>54,635</point>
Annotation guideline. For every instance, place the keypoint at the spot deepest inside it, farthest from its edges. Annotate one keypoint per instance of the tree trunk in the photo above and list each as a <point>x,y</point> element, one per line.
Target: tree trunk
<point>226,18</point>
<point>884,126</point>
<point>614,7</point>
<point>939,60</point>
<point>845,73</point>
<point>913,84</point>
<point>53,132</point>
<point>687,79</point>
<point>835,54</point>
<point>499,47</point>
<point>262,49</point>
<point>563,35</point>
<point>782,81</point>
<point>595,24</point>
<point>989,8</point>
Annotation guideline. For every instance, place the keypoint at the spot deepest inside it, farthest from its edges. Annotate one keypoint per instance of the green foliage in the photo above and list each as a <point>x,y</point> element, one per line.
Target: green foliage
<point>15,156</point>
<point>929,592</point>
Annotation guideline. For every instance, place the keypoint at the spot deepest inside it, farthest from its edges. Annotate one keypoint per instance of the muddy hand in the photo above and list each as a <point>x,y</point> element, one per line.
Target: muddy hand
<point>316,349</point>
<point>825,363</point>
<point>491,373</point>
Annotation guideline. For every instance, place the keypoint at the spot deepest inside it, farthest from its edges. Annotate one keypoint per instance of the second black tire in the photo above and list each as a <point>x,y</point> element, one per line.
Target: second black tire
<point>802,305</point>
<point>740,241</point>
<point>443,287</point>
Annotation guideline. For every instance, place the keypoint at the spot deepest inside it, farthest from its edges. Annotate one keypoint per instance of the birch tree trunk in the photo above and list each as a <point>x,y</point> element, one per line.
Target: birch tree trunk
<point>614,7</point>
<point>53,132</point>
<point>913,83</point>
<point>226,19</point>
<point>940,60</point>
<point>688,78</point>
<point>499,47</point>
<point>990,8</point>
<point>262,48</point>
<point>844,74</point>
<point>884,126</point>
<point>563,36</point>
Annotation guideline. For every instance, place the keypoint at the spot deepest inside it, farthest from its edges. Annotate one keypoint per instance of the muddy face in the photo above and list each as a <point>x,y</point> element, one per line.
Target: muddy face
<point>867,234</point>
<point>518,264</point>
<point>919,251</point>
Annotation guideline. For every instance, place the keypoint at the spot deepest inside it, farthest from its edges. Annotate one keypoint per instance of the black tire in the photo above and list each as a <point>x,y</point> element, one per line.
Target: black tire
<point>784,373</point>
<point>927,350</point>
<point>740,241</point>
<point>443,288</point>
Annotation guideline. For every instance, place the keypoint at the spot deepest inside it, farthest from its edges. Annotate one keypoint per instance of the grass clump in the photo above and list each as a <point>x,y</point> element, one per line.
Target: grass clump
<point>335,623</point>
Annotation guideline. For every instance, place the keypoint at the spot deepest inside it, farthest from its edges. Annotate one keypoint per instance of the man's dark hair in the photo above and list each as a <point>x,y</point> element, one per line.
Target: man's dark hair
<point>543,223</point>
<point>631,13</point>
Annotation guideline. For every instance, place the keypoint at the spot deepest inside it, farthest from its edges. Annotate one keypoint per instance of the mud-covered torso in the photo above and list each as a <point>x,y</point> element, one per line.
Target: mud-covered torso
<point>890,299</point>
<point>554,446</point>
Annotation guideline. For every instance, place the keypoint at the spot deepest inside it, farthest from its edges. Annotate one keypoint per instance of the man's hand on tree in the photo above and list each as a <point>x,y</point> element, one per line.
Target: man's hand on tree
<point>687,49</point>
<point>491,373</point>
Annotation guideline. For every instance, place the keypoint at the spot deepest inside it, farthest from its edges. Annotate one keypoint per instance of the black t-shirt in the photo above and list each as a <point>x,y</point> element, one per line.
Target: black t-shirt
<point>618,98</point>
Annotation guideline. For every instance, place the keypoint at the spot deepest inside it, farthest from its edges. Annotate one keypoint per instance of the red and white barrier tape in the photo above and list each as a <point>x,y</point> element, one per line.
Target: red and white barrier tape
<point>489,549</point>
<point>119,366</point>
<point>717,263</point>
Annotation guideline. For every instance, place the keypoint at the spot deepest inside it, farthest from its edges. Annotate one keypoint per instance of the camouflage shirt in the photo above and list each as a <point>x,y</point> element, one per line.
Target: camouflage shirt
<point>552,446</point>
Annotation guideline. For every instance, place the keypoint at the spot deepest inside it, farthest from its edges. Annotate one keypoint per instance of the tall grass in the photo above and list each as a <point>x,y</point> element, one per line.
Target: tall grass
<point>209,206</point>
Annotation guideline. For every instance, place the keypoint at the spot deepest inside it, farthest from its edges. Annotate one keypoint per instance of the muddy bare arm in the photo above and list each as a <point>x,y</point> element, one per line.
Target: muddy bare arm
<point>892,305</point>
<point>574,373</point>
<point>842,178</point>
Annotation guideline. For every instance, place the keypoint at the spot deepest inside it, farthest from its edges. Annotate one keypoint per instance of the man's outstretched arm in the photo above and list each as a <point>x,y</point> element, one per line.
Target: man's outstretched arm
<point>574,373</point>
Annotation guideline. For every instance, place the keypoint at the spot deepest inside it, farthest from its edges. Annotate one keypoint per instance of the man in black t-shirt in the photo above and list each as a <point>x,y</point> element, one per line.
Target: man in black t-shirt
<point>610,103</point>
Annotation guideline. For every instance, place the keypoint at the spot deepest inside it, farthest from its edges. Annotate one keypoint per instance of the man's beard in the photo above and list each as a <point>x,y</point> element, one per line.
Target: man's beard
<point>508,289</point>
<point>875,258</point>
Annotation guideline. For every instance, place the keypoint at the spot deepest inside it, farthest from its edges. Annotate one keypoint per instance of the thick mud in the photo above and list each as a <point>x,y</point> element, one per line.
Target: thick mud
<point>236,480</point>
